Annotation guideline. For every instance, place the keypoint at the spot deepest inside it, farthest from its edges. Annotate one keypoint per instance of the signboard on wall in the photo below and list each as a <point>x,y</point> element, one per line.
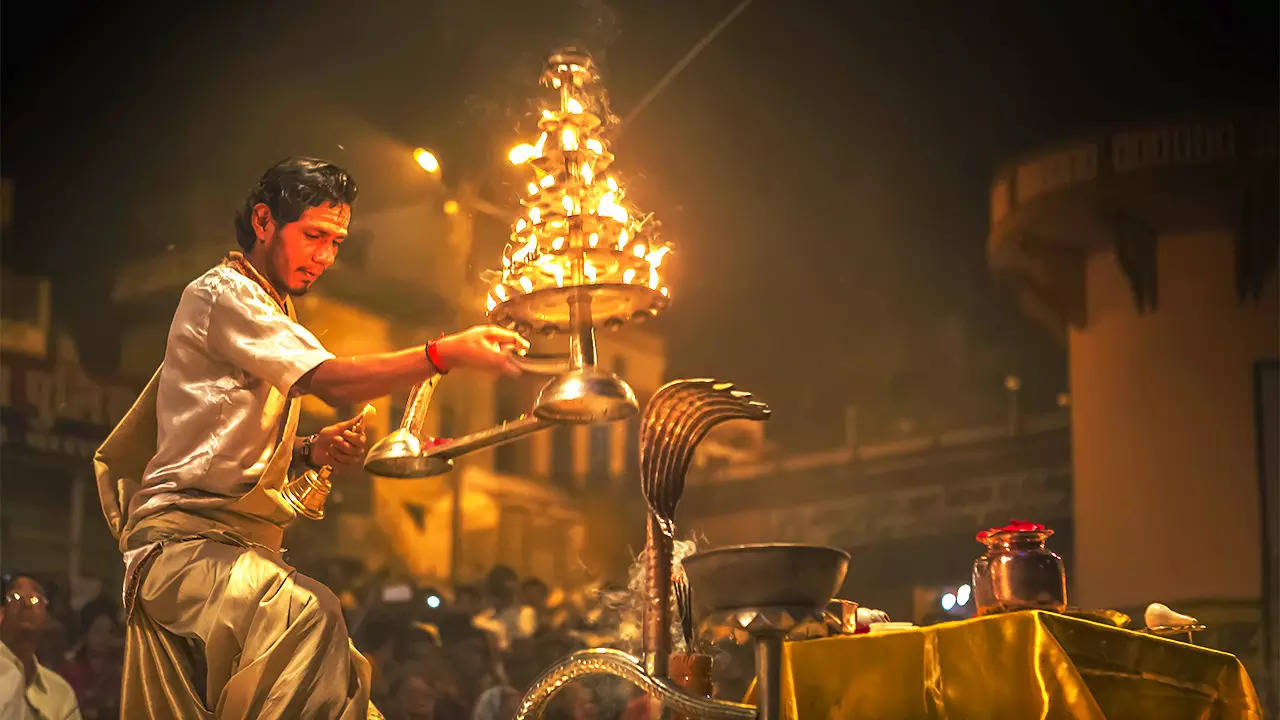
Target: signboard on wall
<point>54,407</point>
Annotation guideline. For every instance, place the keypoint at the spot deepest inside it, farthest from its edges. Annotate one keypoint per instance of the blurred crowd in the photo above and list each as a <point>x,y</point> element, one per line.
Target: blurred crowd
<point>464,655</point>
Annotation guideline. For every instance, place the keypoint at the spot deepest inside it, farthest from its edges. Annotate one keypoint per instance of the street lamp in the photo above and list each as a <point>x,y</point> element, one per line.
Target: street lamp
<point>426,160</point>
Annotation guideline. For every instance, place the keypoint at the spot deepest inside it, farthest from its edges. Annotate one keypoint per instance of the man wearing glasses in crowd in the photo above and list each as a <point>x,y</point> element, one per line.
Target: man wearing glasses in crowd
<point>28,690</point>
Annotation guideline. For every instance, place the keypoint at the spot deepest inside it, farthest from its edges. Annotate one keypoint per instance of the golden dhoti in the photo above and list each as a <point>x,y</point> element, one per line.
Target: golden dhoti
<point>221,627</point>
<point>218,625</point>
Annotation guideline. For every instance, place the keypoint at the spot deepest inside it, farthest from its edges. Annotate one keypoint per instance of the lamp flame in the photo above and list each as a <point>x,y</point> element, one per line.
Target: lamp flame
<point>522,153</point>
<point>568,139</point>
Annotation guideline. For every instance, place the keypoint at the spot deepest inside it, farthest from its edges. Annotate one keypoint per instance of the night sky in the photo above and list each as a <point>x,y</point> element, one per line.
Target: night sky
<point>823,170</point>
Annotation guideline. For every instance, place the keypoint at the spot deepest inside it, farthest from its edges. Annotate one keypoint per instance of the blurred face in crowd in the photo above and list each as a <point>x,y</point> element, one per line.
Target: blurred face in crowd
<point>415,699</point>
<point>26,609</point>
<point>470,657</point>
<point>101,638</point>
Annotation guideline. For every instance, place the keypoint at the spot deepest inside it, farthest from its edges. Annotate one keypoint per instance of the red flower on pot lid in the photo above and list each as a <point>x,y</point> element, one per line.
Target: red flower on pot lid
<point>1013,526</point>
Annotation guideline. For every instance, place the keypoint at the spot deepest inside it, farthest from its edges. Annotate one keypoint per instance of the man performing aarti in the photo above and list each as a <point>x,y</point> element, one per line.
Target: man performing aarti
<point>218,625</point>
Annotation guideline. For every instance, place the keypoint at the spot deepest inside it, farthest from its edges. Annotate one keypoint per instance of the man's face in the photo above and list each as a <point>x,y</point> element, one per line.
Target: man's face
<point>298,253</point>
<point>25,606</point>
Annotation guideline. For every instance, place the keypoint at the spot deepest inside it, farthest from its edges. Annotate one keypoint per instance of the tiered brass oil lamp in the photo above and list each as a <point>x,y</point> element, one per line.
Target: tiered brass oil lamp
<point>580,256</point>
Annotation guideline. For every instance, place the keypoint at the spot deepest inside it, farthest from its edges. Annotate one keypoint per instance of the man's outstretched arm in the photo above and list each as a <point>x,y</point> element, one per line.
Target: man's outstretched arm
<point>363,377</point>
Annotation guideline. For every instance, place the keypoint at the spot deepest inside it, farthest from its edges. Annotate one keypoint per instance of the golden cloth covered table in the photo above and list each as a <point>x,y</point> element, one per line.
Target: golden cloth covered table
<point>1019,665</point>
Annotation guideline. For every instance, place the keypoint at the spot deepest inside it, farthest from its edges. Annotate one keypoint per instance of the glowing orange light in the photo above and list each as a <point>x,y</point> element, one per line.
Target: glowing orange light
<point>522,153</point>
<point>568,139</point>
<point>426,160</point>
<point>655,257</point>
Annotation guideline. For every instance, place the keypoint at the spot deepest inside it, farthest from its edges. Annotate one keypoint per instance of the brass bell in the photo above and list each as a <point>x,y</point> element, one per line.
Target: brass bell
<point>307,493</point>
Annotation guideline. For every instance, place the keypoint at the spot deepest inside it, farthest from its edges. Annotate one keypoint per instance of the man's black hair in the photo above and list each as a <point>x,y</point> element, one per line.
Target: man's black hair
<point>291,186</point>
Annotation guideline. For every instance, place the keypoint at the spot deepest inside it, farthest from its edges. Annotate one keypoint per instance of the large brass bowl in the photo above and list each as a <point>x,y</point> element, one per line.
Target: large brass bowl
<point>765,575</point>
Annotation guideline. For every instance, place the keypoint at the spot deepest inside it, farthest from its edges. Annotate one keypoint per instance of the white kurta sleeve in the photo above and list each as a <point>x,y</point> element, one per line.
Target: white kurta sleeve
<point>250,331</point>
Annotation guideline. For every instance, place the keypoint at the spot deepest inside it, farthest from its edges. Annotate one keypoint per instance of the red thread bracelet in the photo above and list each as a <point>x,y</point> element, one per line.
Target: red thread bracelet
<point>433,356</point>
